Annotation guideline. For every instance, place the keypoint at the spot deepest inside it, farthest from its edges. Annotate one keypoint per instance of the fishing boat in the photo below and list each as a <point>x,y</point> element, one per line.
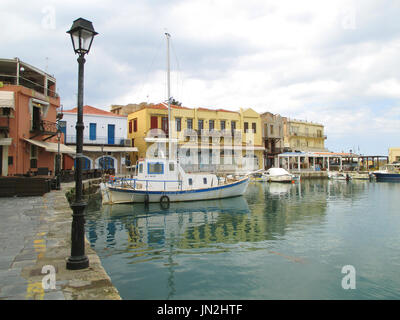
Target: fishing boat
<point>164,180</point>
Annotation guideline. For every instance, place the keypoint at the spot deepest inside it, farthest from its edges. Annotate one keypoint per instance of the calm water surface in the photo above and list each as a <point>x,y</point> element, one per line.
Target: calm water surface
<point>278,241</point>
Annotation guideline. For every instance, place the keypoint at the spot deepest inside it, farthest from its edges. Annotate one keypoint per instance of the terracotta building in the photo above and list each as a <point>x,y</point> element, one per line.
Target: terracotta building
<point>28,119</point>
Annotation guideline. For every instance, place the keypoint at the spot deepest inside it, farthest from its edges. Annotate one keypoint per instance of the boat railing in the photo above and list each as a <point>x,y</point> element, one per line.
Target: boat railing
<point>137,184</point>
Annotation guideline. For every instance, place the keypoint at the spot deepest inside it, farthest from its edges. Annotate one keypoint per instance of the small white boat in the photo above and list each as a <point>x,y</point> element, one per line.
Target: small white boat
<point>359,176</point>
<point>164,181</point>
<point>279,175</point>
<point>335,175</point>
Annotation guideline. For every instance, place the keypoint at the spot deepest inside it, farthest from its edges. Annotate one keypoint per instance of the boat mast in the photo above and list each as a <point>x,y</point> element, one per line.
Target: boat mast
<point>169,99</point>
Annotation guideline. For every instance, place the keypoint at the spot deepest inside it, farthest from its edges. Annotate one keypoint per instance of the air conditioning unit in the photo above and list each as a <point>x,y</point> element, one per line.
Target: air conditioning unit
<point>126,142</point>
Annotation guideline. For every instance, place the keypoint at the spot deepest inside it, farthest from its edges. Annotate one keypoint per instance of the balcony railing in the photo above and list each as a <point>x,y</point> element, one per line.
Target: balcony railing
<point>274,151</point>
<point>44,126</point>
<point>11,79</point>
<point>118,141</point>
<point>308,135</point>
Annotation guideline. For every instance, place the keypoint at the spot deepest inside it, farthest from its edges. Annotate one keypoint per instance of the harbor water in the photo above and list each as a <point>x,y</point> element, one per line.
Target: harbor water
<point>278,241</point>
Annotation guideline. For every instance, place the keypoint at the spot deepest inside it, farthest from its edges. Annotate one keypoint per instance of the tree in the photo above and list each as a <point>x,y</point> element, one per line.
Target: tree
<point>176,102</point>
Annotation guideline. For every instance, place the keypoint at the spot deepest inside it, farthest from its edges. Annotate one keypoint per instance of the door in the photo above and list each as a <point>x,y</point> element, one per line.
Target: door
<point>111,133</point>
<point>36,118</point>
<point>154,123</point>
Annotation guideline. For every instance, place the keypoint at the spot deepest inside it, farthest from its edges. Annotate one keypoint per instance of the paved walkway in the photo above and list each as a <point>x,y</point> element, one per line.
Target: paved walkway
<point>36,232</point>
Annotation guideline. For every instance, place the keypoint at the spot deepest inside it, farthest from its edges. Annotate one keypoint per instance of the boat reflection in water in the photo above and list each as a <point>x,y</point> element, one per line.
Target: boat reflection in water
<point>153,223</point>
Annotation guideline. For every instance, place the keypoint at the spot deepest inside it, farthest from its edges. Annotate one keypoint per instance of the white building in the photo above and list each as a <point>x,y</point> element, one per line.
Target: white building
<point>105,143</point>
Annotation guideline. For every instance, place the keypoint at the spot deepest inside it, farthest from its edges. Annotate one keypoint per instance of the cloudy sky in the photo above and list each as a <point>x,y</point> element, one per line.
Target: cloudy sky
<point>332,62</point>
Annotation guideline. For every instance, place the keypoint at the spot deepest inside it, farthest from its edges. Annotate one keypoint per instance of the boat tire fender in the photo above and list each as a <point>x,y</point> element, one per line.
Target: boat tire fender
<point>164,202</point>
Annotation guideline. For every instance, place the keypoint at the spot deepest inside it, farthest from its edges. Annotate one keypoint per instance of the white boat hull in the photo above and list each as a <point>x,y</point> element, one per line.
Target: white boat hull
<point>281,179</point>
<point>114,194</point>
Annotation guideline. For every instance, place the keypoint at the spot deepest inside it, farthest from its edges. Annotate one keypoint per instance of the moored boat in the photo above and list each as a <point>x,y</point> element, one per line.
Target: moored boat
<point>279,175</point>
<point>338,175</point>
<point>164,181</point>
<point>391,173</point>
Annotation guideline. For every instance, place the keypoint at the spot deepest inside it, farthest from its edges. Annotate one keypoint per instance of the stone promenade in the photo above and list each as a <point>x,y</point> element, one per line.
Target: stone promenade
<point>36,232</point>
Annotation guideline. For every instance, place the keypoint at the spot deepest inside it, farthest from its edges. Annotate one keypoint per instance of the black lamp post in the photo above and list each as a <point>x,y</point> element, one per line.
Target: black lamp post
<point>58,159</point>
<point>82,34</point>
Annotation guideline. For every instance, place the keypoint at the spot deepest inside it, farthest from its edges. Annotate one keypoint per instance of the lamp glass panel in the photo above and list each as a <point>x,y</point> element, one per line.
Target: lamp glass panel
<point>86,37</point>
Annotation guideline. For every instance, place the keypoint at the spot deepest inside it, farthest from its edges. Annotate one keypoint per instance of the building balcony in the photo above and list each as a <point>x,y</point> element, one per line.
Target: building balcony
<point>100,141</point>
<point>43,127</point>
<point>16,72</point>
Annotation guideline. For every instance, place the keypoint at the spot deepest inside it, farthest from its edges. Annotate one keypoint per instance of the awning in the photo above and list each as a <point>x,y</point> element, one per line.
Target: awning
<point>7,99</point>
<point>51,146</point>
<point>109,149</point>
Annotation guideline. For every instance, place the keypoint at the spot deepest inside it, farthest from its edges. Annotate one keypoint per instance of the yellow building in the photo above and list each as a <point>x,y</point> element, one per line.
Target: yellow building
<point>394,155</point>
<point>189,124</point>
<point>302,135</point>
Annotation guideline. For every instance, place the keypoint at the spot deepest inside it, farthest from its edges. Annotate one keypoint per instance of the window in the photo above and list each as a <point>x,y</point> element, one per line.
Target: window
<point>271,127</point>
<point>190,181</point>
<point>34,156</point>
<point>154,122</point>
<point>246,127</point>
<point>133,142</point>
<point>223,123</point>
<point>233,125</point>
<point>130,126</point>
<point>211,124</point>
<point>201,124</point>
<point>171,166</point>
<point>134,125</point>
<point>155,168</point>
<point>92,133</point>
<point>141,168</point>
<point>254,127</point>
<point>190,123</point>
<point>205,180</point>
<point>5,111</point>
<point>178,124</point>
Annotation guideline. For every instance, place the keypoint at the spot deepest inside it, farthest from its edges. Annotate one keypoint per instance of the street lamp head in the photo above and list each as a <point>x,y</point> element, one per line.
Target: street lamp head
<point>82,34</point>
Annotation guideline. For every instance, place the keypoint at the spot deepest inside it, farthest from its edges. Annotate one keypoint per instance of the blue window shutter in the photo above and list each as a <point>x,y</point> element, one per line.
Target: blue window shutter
<point>92,134</point>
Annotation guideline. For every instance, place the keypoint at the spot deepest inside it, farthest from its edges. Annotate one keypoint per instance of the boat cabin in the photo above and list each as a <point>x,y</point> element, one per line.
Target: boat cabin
<point>168,174</point>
